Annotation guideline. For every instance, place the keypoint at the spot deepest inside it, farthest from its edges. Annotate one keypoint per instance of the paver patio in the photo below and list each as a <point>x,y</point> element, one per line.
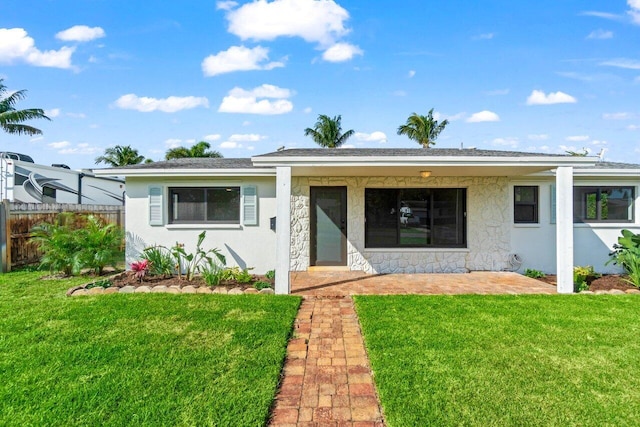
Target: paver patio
<point>336,283</point>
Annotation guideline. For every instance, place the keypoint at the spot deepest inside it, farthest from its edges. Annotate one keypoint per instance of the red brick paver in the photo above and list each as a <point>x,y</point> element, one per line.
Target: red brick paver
<point>327,379</point>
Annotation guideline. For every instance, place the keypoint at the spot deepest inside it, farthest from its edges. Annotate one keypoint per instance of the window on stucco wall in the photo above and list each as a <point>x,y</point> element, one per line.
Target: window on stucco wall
<point>415,217</point>
<point>210,205</point>
<point>603,204</point>
<point>525,204</point>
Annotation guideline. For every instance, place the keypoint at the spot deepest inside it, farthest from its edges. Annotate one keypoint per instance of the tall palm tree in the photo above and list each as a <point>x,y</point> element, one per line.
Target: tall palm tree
<point>423,129</point>
<point>11,120</point>
<point>120,156</point>
<point>327,132</point>
<point>201,149</point>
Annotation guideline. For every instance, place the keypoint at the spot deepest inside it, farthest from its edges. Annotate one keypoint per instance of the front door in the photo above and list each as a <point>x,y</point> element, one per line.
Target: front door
<point>328,226</point>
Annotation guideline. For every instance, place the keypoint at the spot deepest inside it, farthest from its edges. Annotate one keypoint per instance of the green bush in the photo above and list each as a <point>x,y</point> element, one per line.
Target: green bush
<point>582,276</point>
<point>192,263</point>
<point>534,274</point>
<point>161,261</point>
<point>236,274</point>
<point>261,285</point>
<point>626,253</point>
<point>75,241</point>
<point>271,275</point>
<point>213,274</point>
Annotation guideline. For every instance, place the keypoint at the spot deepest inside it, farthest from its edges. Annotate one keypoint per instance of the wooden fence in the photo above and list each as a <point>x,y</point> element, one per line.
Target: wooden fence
<point>17,220</point>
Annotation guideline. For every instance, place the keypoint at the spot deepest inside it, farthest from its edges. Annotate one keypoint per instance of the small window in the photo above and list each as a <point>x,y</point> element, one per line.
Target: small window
<point>48,194</point>
<point>603,204</point>
<point>525,204</point>
<point>193,205</point>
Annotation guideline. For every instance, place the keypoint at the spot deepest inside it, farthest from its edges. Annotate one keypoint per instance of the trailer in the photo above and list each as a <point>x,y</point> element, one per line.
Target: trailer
<point>22,180</point>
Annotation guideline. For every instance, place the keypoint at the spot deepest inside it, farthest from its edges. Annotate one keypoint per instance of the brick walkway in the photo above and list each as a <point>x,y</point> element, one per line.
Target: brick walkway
<point>327,379</point>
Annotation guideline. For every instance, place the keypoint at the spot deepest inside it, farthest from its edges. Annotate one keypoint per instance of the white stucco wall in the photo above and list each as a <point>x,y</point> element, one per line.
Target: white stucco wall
<point>488,226</point>
<point>535,243</point>
<point>243,246</point>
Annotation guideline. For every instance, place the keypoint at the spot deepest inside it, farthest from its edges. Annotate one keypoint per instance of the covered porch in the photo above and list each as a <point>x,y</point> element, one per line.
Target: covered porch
<point>342,283</point>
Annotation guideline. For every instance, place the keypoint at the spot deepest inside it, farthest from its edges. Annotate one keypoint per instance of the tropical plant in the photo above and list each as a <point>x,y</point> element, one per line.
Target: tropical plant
<point>200,149</point>
<point>160,260</point>
<point>58,244</point>
<point>534,274</point>
<point>11,120</point>
<point>626,253</point>
<point>423,129</point>
<point>327,132</point>
<point>261,285</point>
<point>140,269</point>
<point>270,275</point>
<point>120,156</point>
<point>100,244</point>
<point>582,277</point>
<point>212,273</point>
<point>191,263</point>
<point>237,274</point>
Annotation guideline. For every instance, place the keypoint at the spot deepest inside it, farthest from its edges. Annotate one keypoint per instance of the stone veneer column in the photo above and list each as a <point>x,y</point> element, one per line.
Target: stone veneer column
<point>564,229</point>
<point>283,229</point>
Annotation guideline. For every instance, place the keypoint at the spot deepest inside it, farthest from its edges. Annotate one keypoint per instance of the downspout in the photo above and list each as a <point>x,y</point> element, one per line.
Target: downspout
<point>80,187</point>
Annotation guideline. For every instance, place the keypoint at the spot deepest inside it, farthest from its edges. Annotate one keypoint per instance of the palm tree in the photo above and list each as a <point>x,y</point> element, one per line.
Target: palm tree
<point>327,132</point>
<point>11,119</point>
<point>201,149</point>
<point>120,156</point>
<point>423,129</point>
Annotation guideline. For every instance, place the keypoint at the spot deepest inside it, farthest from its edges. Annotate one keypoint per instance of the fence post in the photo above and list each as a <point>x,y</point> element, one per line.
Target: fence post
<point>5,237</point>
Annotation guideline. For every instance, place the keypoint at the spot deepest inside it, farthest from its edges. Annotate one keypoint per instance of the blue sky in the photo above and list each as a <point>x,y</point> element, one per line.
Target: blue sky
<point>249,77</point>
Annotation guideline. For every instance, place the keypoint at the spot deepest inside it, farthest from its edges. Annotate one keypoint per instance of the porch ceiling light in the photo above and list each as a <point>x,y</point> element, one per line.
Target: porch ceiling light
<point>425,174</point>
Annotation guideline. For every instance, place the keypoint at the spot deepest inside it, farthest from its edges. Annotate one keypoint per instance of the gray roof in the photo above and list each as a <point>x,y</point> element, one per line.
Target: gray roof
<point>400,152</point>
<point>614,165</point>
<point>194,163</point>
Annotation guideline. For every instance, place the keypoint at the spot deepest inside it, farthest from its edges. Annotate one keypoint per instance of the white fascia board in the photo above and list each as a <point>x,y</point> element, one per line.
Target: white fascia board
<point>430,161</point>
<point>594,172</point>
<point>189,172</point>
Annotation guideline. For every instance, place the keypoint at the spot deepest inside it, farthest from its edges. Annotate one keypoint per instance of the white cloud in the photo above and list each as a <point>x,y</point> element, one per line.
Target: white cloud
<point>452,118</point>
<point>321,22</point>
<point>246,123</point>
<point>399,93</point>
<point>347,146</point>
<point>226,5</point>
<point>17,46</point>
<point>483,116</point>
<point>538,97</point>
<point>485,36</point>
<point>538,137</point>
<point>604,15</point>
<point>230,144</point>
<point>376,136</point>
<point>634,11</point>
<point>577,138</point>
<point>633,127</point>
<point>59,145</point>
<point>248,101</point>
<point>212,137</point>
<point>238,58</point>
<point>598,142</point>
<point>80,33</point>
<point>630,64</point>
<point>171,104</point>
<point>82,148</point>
<point>600,34</point>
<point>246,137</point>
<point>172,143</point>
<point>54,112</point>
<point>617,116</point>
<point>307,110</point>
<point>36,139</point>
<point>77,115</point>
<point>511,142</point>
<point>341,52</point>
<point>411,73</point>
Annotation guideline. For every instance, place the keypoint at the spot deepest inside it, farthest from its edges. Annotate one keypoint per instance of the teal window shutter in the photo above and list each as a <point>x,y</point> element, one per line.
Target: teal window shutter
<point>250,205</point>
<point>553,203</point>
<point>155,205</point>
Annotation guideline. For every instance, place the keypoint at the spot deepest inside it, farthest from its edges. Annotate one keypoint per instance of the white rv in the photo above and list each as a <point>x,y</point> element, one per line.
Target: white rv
<point>21,180</point>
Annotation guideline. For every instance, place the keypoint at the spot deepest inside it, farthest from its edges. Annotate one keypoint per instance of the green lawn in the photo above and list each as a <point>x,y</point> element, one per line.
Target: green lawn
<point>137,359</point>
<point>505,360</point>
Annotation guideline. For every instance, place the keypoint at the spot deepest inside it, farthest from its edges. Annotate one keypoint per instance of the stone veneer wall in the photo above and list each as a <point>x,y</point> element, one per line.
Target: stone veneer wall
<point>488,226</point>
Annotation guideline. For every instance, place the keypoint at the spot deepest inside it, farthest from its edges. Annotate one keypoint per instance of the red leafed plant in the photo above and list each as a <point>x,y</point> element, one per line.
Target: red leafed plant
<point>140,268</point>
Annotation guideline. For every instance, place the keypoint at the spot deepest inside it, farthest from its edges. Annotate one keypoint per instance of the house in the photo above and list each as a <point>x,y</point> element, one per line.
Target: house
<point>388,210</point>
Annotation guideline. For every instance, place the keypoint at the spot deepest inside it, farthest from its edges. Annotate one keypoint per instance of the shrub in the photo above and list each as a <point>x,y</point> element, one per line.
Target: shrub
<point>534,274</point>
<point>582,276</point>
<point>236,274</point>
<point>75,241</point>
<point>140,268</point>
<point>626,253</point>
<point>160,260</point>
<point>261,285</point>
<point>271,275</point>
<point>191,263</point>
<point>212,273</point>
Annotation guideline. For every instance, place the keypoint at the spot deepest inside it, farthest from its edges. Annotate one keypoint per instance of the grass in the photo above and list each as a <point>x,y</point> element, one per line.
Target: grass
<point>504,360</point>
<point>137,359</point>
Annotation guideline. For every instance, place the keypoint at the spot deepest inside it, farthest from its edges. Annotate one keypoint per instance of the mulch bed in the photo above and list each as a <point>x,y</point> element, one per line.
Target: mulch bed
<point>128,278</point>
<point>607,282</point>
